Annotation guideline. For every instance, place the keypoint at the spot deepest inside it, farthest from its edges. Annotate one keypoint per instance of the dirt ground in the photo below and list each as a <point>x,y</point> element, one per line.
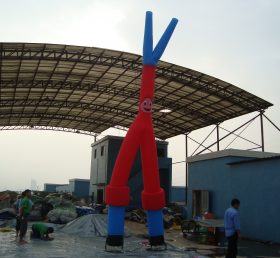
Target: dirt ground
<point>247,248</point>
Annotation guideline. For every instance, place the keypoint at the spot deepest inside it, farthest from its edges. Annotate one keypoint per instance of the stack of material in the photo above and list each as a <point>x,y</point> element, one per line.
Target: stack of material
<point>62,196</point>
<point>63,212</point>
<point>62,215</point>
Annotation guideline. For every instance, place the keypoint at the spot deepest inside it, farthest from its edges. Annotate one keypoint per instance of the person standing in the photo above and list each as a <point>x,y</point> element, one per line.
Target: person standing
<point>17,207</point>
<point>232,228</point>
<point>24,212</point>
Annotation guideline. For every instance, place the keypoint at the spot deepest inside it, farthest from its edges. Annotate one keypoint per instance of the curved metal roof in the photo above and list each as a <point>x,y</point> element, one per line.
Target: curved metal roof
<point>87,90</point>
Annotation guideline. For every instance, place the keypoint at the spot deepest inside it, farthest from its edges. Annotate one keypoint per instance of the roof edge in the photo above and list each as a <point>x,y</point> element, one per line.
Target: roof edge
<point>109,137</point>
<point>79,179</point>
<point>231,153</point>
<point>253,160</point>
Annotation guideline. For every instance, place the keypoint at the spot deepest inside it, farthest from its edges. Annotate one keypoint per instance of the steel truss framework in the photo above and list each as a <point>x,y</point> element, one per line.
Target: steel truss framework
<point>88,90</point>
<point>216,143</point>
<point>218,127</point>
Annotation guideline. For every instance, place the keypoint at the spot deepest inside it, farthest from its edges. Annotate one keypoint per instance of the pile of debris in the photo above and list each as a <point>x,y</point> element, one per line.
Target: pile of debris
<point>137,215</point>
<point>173,215</point>
<point>61,208</point>
<point>57,208</point>
<point>7,213</point>
<point>7,199</point>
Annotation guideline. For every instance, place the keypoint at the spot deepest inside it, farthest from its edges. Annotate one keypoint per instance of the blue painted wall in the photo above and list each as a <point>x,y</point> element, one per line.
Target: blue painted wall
<point>256,184</point>
<point>178,194</point>
<point>81,188</point>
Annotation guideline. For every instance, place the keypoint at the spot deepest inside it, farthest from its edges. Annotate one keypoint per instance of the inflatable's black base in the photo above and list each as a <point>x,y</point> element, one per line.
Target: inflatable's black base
<point>157,243</point>
<point>156,240</point>
<point>114,241</point>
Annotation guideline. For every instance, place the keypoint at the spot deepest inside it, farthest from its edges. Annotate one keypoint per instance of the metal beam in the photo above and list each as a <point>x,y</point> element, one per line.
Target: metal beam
<point>271,122</point>
<point>218,137</point>
<point>83,107</point>
<point>262,132</point>
<point>229,134</point>
<point>187,170</point>
<point>239,136</point>
<point>48,128</point>
<point>201,144</point>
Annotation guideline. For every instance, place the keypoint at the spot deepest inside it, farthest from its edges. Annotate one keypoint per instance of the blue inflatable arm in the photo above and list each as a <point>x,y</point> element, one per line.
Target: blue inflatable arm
<point>150,56</point>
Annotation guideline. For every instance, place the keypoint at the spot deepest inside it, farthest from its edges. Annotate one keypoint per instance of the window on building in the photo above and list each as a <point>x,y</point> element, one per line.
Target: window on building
<point>95,153</point>
<point>102,150</point>
<point>160,152</point>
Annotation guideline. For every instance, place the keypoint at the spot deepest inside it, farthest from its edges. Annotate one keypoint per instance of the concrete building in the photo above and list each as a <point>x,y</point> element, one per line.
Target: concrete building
<point>50,188</point>
<point>252,177</point>
<point>104,154</point>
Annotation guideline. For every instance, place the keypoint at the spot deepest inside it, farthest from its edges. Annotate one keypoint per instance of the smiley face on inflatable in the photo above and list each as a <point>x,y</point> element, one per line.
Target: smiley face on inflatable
<point>146,105</point>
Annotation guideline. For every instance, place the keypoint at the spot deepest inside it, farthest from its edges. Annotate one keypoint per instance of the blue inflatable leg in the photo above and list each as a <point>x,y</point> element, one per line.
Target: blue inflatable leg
<point>155,223</point>
<point>115,226</point>
<point>156,231</point>
<point>116,220</point>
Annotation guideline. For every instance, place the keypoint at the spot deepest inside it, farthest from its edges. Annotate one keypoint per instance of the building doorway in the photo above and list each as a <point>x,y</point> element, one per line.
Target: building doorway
<point>99,196</point>
<point>200,202</point>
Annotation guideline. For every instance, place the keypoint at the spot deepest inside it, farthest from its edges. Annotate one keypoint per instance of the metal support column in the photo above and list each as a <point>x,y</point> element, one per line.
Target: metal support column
<point>186,141</point>
<point>218,137</point>
<point>262,133</point>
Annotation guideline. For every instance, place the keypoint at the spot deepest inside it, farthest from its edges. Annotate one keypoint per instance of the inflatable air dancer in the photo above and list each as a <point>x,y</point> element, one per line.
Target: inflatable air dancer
<point>140,134</point>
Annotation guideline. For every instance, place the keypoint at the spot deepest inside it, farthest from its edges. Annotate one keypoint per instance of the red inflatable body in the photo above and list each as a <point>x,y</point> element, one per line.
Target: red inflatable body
<point>140,134</point>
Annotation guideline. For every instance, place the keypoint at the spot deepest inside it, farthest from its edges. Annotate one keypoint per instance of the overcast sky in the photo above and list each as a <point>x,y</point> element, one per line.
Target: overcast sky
<point>237,41</point>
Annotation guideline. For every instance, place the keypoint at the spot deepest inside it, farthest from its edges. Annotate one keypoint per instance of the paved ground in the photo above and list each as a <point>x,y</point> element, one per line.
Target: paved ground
<point>66,245</point>
<point>73,246</point>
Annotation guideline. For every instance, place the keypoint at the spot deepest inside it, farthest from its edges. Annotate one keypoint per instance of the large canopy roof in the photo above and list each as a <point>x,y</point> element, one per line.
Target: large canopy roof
<point>87,90</point>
